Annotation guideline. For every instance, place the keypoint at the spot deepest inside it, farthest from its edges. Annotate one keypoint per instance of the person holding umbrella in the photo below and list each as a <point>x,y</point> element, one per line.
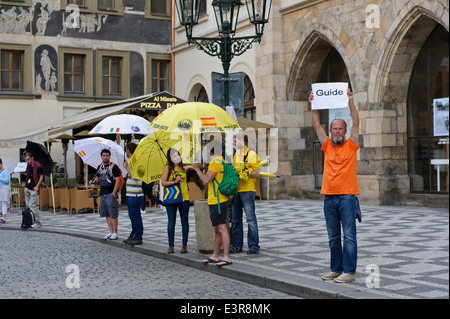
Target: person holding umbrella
<point>175,173</point>
<point>109,176</point>
<point>35,176</point>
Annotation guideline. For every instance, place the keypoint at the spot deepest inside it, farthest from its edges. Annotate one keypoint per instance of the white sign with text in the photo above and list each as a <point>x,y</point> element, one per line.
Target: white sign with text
<point>331,95</point>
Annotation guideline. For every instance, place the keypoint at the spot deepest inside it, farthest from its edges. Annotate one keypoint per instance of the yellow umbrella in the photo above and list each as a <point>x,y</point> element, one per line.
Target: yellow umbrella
<point>195,118</point>
<point>150,157</point>
<point>264,174</point>
<point>244,172</point>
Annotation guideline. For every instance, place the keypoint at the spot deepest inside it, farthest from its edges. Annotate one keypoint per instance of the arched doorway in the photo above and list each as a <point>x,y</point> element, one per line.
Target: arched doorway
<point>249,99</point>
<point>428,148</point>
<point>198,94</point>
<point>316,60</point>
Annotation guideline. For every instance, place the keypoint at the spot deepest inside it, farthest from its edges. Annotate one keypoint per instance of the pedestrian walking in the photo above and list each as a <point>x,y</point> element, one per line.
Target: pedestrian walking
<point>135,201</point>
<point>35,176</point>
<point>109,175</point>
<point>340,187</point>
<point>174,173</point>
<point>246,162</point>
<point>5,190</point>
<point>216,198</point>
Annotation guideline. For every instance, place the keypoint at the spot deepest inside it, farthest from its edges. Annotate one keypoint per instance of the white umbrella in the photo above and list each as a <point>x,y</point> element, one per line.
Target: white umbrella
<point>122,124</point>
<point>89,150</point>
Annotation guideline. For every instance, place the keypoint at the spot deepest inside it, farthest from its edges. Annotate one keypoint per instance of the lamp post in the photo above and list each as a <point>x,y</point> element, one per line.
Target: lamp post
<point>226,46</point>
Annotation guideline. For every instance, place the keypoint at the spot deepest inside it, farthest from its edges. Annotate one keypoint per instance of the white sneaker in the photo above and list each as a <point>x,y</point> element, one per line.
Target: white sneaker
<point>107,236</point>
<point>114,237</point>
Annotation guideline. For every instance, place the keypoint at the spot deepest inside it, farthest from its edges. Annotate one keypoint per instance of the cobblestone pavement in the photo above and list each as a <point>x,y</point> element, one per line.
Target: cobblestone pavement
<point>34,265</point>
<point>408,245</point>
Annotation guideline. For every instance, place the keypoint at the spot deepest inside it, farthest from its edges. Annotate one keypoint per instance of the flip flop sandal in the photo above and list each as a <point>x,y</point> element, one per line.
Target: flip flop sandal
<point>223,263</point>
<point>209,260</point>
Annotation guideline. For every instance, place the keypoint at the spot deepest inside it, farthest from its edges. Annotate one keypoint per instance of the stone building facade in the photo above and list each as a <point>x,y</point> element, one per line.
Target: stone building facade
<point>59,57</point>
<point>393,53</point>
<point>379,48</point>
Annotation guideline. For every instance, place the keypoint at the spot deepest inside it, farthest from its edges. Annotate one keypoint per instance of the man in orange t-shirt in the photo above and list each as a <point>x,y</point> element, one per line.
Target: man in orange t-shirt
<point>340,186</point>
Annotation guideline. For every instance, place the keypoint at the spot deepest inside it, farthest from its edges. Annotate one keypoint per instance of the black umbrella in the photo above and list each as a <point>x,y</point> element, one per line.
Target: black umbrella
<point>41,155</point>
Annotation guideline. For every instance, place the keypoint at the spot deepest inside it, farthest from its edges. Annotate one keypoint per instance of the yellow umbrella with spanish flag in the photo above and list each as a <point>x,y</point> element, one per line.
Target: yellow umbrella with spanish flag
<point>195,118</point>
<point>150,157</point>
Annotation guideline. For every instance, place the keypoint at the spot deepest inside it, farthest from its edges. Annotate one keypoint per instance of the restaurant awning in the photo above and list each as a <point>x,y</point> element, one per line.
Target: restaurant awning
<point>246,123</point>
<point>154,101</point>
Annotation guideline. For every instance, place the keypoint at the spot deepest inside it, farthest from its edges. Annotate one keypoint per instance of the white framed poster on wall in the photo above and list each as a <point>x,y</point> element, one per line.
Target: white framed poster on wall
<point>440,116</point>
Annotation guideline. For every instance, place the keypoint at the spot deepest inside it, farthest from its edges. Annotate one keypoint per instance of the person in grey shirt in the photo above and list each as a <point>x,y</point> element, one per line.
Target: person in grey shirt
<point>109,176</point>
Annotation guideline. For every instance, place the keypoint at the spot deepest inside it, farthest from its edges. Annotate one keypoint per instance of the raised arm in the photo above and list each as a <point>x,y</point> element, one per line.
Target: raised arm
<point>204,178</point>
<point>321,135</point>
<point>354,134</point>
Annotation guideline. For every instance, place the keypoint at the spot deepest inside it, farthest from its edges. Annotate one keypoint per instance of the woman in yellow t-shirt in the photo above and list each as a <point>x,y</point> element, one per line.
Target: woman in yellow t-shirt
<point>215,171</point>
<point>174,173</point>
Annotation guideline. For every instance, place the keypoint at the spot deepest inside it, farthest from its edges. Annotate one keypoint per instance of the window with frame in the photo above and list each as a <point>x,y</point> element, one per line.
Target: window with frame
<point>18,2</point>
<point>160,75</point>
<point>77,2</point>
<point>106,4</point>
<point>202,8</point>
<point>249,99</point>
<point>159,7</point>
<point>113,7</point>
<point>74,73</point>
<point>428,149</point>
<point>111,75</point>
<point>11,69</point>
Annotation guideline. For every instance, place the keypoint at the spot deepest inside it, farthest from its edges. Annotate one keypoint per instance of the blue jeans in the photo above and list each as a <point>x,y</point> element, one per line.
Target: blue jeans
<point>341,209</point>
<point>244,201</point>
<point>183,208</point>
<point>134,204</point>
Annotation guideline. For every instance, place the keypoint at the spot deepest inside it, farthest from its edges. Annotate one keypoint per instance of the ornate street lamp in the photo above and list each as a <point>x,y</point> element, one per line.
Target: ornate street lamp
<point>226,46</point>
<point>258,13</point>
<point>227,13</point>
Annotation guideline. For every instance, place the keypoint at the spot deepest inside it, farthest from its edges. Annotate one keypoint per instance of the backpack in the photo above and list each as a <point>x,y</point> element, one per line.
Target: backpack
<point>28,218</point>
<point>229,184</point>
<point>121,182</point>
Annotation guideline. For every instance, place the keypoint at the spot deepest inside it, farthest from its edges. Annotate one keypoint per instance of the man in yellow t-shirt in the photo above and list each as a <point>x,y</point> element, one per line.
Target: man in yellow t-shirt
<point>215,171</point>
<point>246,163</point>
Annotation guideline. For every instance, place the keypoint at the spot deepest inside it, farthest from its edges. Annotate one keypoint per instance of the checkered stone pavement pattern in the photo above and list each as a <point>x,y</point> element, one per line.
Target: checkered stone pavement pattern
<point>408,245</point>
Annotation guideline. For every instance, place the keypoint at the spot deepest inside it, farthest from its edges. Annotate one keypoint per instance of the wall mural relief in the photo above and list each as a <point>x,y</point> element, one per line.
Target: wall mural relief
<point>46,62</point>
<point>43,18</point>
<point>16,20</point>
<point>85,22</point>
<point>35,19</point>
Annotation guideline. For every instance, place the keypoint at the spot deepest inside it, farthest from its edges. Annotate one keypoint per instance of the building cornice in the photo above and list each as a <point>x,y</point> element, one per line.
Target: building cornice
<point>299,6</point>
